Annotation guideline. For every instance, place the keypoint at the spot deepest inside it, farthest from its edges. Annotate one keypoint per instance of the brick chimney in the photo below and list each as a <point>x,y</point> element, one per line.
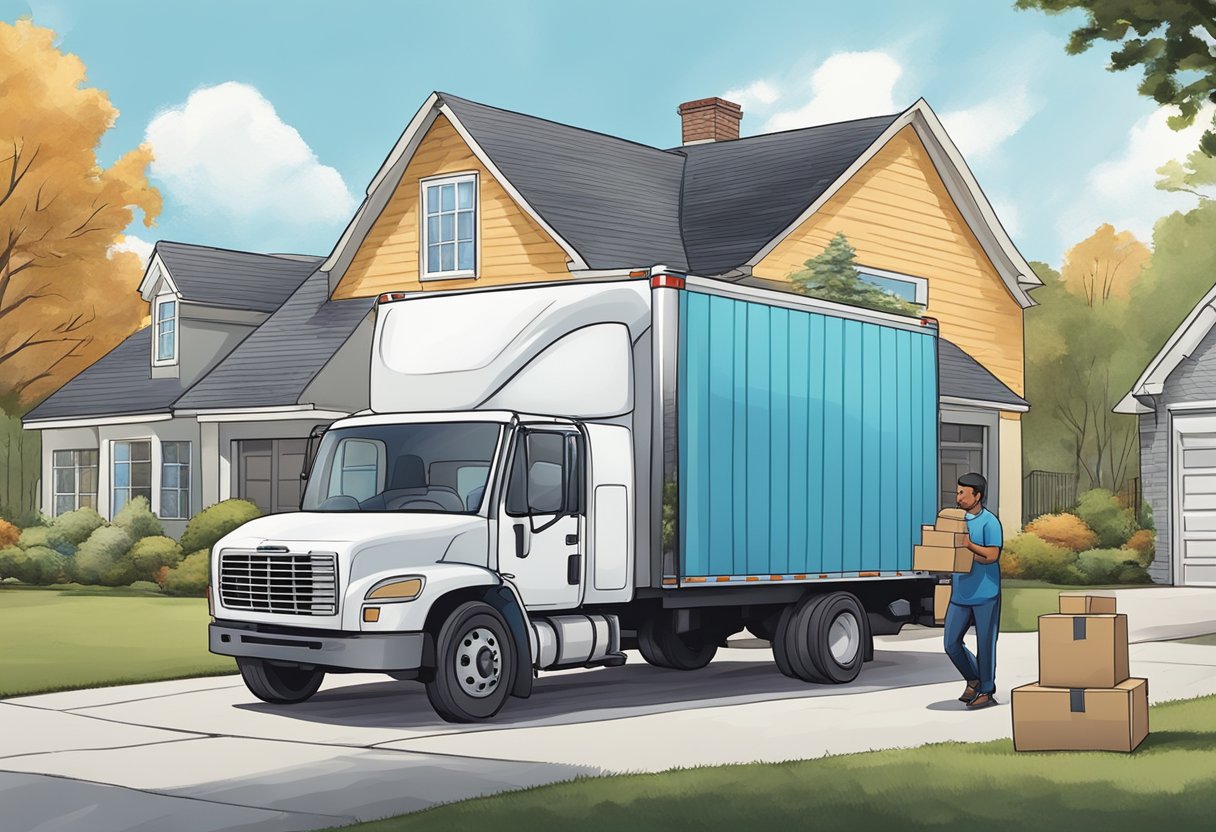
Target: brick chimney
<point>710,120</point>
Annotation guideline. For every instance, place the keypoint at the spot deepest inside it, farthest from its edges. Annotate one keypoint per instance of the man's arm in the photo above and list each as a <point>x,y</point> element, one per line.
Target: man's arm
<point>985,554</point>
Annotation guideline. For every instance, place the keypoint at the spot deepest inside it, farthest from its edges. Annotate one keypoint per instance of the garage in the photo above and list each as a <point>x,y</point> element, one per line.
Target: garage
<point>1194,478</point>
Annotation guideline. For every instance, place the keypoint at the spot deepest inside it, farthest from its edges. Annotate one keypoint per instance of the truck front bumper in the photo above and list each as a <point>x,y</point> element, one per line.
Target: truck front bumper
<point>338,650</point>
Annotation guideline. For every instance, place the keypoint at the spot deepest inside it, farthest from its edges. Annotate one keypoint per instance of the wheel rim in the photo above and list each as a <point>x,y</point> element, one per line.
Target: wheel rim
<point>478,662</point>
<point>844,638</point>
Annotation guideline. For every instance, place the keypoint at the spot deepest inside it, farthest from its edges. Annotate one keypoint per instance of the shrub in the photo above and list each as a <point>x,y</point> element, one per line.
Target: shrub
<point>1011,566</point>
<point>22,518</point>
<point>9,534</point>
<point>1111,522</point>
<point>1146,516</point>
<point>47,537</point>
<point>41,566</point>
<point>138,520</point>
<point>146,586</point>
<point>1104,566</point>
<point>1064,530</point>
<point>10,559</point>
<point>102,559</point>
<point>1144,543</point>
<point>76,526</point>
<point>213,522</point>
<point>147,556</point>
<point>1044,561</point>
<point>191,575</point>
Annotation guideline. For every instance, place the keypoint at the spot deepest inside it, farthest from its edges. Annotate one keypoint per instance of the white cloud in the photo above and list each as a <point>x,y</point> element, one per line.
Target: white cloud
<point>847,85</point>
<point>134,244</point>
<point>1009,216</point>
<point>759,94</point>
<point>981,129</point>
<point>226,151</point>
<point>1121,189</point>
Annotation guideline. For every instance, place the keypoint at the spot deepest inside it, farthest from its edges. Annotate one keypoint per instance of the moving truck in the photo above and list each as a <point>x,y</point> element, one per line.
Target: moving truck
<point>551,474</point>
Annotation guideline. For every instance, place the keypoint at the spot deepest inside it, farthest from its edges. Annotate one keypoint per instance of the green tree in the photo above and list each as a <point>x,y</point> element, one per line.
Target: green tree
<point>1165,38</point>
<point>833,276</point>
<point>1196,176</point>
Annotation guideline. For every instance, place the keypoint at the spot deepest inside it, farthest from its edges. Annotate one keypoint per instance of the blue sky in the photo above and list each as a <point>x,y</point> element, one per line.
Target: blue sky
<point>269,118</point>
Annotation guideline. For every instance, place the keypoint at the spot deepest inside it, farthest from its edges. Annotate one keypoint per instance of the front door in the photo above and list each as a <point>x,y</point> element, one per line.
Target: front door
<point>1194,472</point>
<point>541,533</point>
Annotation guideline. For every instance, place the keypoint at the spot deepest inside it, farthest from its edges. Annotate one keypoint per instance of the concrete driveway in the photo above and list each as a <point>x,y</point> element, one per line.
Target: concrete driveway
<point>204,754</point>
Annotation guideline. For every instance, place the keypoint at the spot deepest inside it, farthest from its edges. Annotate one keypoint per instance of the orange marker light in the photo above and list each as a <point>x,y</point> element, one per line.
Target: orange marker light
<point>371,614</point>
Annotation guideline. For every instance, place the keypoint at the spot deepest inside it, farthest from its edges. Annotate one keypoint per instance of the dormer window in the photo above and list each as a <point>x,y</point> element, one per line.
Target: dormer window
<point>449,226</point>
<point>165,320</point>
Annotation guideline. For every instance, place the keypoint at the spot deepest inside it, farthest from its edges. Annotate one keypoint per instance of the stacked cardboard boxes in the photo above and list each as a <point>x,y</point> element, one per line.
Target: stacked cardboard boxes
<point>1084,699</point>
<point>944,545</point>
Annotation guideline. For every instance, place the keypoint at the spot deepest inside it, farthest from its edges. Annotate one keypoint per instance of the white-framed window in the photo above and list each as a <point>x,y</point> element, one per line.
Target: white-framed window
<point>449,226</point>
<point>74,474</point>
<point>131,472</point>
<point>174,480</point>
<point>164,342</point>
<point>903,286</point>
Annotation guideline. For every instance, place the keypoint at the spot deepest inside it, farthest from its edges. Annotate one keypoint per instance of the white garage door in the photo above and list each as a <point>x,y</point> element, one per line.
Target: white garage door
<point>1195,501</point>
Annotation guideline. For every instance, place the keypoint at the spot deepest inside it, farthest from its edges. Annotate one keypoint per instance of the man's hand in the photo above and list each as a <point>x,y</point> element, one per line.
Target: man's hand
<point>984,554</point>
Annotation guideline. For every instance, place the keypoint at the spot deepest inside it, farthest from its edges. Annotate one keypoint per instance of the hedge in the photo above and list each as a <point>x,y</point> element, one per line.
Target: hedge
<point>190,577</point>
<point>1110,521</point>
<point>137,519</point>
<point>1064,530</point>
<point>102,559</point>
<point>206,528</point>
<point>76,526</point>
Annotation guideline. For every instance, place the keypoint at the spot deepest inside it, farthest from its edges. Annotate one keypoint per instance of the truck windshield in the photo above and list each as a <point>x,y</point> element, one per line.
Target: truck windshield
<point>433,467</point>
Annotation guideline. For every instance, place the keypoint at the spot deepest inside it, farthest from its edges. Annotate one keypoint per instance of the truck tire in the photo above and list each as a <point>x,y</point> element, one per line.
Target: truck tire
<point>474,664</point>
<point>834,639</point>
<point>661,646</point>
<point>788,646</point>
<point>278,684</point>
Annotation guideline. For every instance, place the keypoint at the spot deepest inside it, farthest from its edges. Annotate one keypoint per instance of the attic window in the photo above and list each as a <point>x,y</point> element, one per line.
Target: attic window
<point>165,345</point>
<point>449,226</point>
<point>903,286</point>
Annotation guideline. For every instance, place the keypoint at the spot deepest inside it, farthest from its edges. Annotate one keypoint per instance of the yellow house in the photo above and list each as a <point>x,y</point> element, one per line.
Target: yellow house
<point>473,196</point>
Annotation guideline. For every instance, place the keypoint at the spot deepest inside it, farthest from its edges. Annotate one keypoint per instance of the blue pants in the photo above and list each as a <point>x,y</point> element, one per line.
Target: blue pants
<point>987,619</point>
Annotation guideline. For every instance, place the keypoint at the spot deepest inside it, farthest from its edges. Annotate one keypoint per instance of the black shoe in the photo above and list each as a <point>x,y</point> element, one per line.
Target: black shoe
<point>982,700</point>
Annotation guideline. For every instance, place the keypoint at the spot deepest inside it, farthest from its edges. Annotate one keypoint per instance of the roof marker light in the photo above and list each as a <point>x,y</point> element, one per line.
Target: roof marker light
<point>389,297</point>
<point>666,281</point>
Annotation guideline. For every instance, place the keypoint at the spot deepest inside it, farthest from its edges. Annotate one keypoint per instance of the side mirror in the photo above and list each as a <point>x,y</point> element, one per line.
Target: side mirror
<point>310,449</point>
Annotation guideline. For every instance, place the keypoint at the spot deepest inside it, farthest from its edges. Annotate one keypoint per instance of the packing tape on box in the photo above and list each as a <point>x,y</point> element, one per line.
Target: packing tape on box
<point>1078,630</point>
<point>1076,700</point>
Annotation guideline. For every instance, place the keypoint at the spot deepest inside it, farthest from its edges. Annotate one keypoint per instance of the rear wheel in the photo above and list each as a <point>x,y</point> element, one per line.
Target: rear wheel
<point>662,646</point>
<point>789,649</point>
<point>833,642</point>
<point>475,662</point>
<point>279,684</point>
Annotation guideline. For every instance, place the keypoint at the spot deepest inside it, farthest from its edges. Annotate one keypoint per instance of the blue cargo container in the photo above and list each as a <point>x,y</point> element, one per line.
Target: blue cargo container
<point>807,439</point>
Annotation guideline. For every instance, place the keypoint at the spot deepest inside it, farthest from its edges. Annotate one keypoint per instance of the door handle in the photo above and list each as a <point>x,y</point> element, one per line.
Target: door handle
<point>573,569</point>
<point>519,541</point>
<point>572,539</point>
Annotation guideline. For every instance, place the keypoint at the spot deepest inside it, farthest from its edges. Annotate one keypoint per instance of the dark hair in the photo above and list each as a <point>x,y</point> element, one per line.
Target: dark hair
<point>976,483</point>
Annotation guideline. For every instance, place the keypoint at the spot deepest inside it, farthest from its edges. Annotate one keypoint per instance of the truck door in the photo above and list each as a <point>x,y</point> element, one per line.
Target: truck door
<point>543,517</point>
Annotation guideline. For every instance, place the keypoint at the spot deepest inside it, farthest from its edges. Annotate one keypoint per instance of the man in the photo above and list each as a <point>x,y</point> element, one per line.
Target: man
<point>975,597</point>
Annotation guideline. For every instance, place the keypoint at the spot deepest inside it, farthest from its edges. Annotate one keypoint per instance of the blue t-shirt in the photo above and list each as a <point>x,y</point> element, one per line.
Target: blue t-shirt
<point>983,582</point>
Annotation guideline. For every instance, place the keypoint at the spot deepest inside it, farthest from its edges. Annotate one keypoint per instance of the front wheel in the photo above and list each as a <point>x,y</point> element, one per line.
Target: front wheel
<point>278,684</point>
<point>474,664</point>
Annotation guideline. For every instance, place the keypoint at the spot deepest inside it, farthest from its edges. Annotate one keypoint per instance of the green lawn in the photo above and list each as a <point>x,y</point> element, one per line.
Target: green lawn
<point>90,637</point>
<point>951,785</point>
<point>1022,602</point>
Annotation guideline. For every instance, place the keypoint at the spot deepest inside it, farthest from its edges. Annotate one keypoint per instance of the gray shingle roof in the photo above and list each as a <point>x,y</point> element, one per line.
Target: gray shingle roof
<point>234,279</point>
<point>965,378</point>
<point>739,195</point>
<point>615,201</point>
<point>275,364</point>
<point>118,384</point>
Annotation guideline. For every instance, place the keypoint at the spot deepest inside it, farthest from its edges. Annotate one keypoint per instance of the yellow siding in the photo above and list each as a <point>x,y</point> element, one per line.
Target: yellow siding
<point>897,214</point>
<point>514,248</point>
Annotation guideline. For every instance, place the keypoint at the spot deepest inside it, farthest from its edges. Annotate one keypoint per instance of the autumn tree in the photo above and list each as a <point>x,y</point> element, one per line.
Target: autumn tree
<point>832,275</point>
<point>65,297</point>
<point>1104,266</point>
<point>1169,40</point>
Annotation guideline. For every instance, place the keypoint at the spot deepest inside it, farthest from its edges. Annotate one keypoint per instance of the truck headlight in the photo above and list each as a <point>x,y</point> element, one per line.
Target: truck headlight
<point>396,589</point>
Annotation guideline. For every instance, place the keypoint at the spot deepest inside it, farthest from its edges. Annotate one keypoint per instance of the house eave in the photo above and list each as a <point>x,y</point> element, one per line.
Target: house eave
<point>95,421</point>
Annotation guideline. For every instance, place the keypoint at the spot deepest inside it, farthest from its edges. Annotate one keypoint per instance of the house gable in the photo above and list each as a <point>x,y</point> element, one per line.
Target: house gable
<point>899,215</point>
<point>513,247</point>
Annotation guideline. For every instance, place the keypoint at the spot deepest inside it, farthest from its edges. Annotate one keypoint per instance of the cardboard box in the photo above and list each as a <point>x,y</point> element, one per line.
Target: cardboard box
<point>1084,603</point>
<point>924,529</point>
<point>951,520</point>
<point>1080,719</point>
<point>941,600</point>
<point>951,540</point>
<point>1082,651</point>
<point>942,559</point>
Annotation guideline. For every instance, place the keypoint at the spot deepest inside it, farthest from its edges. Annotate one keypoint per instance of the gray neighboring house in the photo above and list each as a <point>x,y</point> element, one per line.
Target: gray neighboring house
<point>215,399</point>
<point>1175,398</point>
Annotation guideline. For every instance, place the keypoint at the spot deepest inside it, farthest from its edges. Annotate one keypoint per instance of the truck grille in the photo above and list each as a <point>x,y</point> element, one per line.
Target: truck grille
<point>280,583</point>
